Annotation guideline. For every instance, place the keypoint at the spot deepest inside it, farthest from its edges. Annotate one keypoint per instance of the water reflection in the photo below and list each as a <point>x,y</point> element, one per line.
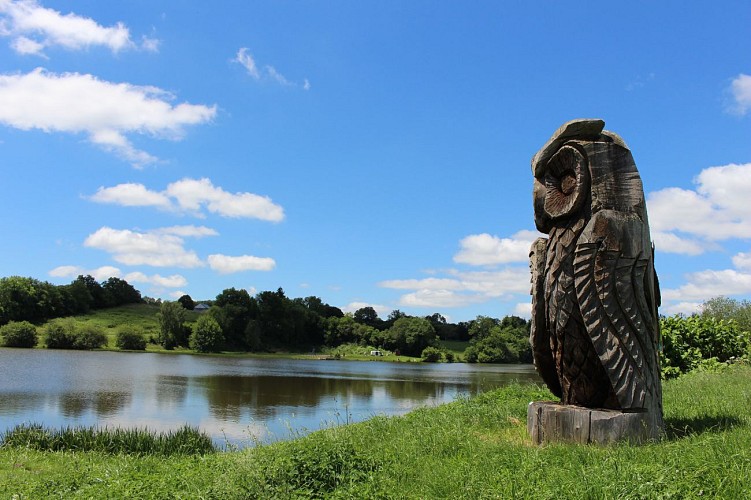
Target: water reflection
<point>238,400</point>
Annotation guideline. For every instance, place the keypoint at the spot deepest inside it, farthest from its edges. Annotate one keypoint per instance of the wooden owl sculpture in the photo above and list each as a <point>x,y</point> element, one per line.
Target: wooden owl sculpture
<point>595,328</point>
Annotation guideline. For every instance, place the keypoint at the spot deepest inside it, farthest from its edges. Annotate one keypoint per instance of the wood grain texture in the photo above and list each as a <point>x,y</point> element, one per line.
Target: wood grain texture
<point>595,298</point>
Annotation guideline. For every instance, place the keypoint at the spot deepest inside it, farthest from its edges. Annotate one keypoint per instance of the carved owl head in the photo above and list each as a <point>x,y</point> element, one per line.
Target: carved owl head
<point>583,167</point>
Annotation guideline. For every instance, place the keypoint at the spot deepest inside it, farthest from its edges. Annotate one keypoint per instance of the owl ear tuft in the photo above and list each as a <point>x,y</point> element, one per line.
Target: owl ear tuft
<point>587,129</point>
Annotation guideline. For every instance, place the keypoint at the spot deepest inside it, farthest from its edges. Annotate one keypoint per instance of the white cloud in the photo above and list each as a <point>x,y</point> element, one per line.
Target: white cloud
<point>138,248</point>
<point>462,288</point>
<point>131,195</point>
<point>742,261</point>
<point>107,112</point>
<point>523,309</point>
<point>717,210</point>
<point>191,195</point>
<point>188,231</point>
<point>485,249</point>
<point>381,310</point>
<point>740,87</point>
<point>100,273</point>
<point>439,298</point>
<point>247,61</point>
<point>672,243</point>
<point>226,264</point>
<point>33,28</point>
<point>172,281</point>
<point>685,308</point>
<point>105,272</point>
<point>704,285</point>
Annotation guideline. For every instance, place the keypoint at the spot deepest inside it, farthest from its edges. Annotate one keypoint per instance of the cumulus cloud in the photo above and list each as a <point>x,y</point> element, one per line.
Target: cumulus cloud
<point>381,310</point>
<point>740,88</point>
<point>172,281</point>
<point>105,272</point>
<point>99,273</point>
<point>131,195</point>
<point>717,210</point>
<point>155,248</point>
<point>461,288</point>
<point>742,261</point>
<point>267,72</point>
<point>226,264</point>
<point>704,285</point>
<point>485,249</point>
<point>106,112</point>
<point>32,28</point>
<point>523,309</point>
<point>193,195</point>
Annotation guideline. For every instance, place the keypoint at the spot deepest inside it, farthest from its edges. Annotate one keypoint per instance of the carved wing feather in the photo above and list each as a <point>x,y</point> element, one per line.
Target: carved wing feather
<point>612,299</point>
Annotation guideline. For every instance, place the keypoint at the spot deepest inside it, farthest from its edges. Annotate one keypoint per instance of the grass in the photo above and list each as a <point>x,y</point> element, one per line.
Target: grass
<point>185,441</point>
<point>472,448</point>
<point>455,346</point>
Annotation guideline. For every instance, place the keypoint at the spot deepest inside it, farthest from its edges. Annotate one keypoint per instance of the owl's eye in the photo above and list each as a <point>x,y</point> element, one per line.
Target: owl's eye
<point>566,182</point>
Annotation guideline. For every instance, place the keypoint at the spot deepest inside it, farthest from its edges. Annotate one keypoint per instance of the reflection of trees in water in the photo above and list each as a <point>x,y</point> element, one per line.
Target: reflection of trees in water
<point>20,402</point>
<point>171,391</point>
<point>229,395</point>
<point>75,404</point>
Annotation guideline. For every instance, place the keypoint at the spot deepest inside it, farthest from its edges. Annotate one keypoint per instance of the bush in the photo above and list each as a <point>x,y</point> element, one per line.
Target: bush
<point>207,335</point>
<point>18,334</point>
<point>699,342</point>
<point>130,338</point>
<point>89,337</point>
<point>432,355</point>
<point>63,334</point>
<point>60,334</point>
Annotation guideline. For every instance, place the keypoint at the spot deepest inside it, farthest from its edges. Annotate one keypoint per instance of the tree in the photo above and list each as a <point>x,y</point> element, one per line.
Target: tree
<point>18,334</point>
<point>98,295</point>
<point>724,308</point>
<point>411,336</point>
<point>368,316</point>
<point>28,299</point>
<point>207,335</point>
<point>171,317</point>
<point>233,309</point>
<point>187,302</point>
<point>119,292</point>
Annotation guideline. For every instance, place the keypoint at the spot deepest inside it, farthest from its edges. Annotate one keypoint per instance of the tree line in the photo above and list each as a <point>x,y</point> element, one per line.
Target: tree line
<point>29,299</point>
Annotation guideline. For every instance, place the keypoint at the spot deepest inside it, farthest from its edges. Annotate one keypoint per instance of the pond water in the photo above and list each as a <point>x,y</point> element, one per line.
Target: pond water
<point>237,401</point>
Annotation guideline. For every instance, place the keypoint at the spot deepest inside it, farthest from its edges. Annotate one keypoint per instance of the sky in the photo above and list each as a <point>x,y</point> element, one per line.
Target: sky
<point>370,153</point>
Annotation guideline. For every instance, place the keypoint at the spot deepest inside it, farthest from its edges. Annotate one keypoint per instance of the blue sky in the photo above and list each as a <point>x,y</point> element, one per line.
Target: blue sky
<point>369,153</point>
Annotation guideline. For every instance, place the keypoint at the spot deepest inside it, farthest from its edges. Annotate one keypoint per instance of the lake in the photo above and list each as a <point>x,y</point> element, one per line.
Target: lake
<point>237,401</point>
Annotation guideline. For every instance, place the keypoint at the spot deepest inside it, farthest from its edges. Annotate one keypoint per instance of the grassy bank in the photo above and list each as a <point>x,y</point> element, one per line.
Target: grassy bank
<point>473,448</point>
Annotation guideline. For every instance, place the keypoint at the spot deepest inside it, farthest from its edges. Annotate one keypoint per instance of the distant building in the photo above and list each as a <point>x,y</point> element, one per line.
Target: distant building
<point>201,307</point>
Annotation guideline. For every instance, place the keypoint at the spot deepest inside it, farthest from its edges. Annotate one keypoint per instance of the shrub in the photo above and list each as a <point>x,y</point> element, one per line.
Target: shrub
<point>432,354</point>
<point>60,334</point>
<point>207,335</point>
<point>699,342</point>
<point>63,334</point>
<point>18,334</point>
<point>89,337</point>
<point>130,338</point>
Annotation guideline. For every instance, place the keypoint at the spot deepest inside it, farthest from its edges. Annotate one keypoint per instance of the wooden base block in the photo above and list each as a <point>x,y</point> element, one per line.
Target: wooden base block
<point>549,422</point>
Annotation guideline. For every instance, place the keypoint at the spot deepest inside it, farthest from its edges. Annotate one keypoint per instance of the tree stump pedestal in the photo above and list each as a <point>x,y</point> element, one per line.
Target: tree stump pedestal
<point>550,422</point>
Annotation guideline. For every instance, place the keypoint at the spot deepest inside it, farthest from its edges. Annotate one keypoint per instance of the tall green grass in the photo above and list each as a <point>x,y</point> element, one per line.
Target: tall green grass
<point>184,441</point>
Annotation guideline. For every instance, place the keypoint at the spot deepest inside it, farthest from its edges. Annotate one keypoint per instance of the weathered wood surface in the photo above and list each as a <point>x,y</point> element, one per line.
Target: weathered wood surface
<point>595,326</point>
<point>549,422</point>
